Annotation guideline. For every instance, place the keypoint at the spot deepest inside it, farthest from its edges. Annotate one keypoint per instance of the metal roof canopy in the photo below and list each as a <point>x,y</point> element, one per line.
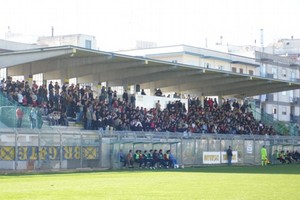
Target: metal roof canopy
<point>122,69</point>
<point>134,142</point>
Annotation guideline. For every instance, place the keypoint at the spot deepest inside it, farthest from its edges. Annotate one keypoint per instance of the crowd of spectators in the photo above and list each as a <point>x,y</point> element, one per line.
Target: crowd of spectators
<point>287,156</point>
<point>115,111</point>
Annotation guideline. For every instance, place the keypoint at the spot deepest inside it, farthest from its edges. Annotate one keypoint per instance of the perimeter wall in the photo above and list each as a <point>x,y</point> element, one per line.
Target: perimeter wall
<point>70,148</point>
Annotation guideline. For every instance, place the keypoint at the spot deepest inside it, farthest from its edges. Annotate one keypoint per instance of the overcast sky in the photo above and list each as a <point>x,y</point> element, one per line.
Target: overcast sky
<point>117,24</point>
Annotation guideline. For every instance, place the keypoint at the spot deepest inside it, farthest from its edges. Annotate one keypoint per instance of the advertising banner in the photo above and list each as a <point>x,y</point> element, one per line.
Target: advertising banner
<point>217,157</point>
<point>211,157</point>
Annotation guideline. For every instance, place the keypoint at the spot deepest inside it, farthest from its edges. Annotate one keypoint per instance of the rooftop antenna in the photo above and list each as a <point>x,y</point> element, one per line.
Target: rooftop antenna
<point>262,39</point>
<point>52,31</point>
<point>221,41</point>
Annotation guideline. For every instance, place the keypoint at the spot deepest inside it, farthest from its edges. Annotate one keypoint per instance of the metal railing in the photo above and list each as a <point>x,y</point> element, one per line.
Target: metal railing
<point>72,148</point>
<point>282,128</point>
<point>8,117</point>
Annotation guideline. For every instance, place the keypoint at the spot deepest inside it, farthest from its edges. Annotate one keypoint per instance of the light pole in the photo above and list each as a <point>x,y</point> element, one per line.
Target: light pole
<point>262,39</point>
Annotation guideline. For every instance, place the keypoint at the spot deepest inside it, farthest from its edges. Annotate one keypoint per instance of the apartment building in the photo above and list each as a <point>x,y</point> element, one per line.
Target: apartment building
<point>277,61</point>
<point>283,106</point>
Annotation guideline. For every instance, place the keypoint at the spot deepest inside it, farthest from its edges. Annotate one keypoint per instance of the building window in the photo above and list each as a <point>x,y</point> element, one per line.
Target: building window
<point>88,44</point>
<point>293,76</point>
<point>251,72</point>
<point>234,69</point>
<point>3,73</point>
<point>284,72</point>
<point>283,111</point>
<point>119,89</point>
<point>220,67</point>
<point>17,78</point>
<point>274,111</point>
<point>263,70</point>
<point>38,78</point>
<point>72,81</point>
<point>241,71</point>
<point>291,94</point>
<point>274,72</point>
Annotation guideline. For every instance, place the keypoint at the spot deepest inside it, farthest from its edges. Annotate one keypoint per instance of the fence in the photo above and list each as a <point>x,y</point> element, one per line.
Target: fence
<point>70,148</point>
<point>8,117</point>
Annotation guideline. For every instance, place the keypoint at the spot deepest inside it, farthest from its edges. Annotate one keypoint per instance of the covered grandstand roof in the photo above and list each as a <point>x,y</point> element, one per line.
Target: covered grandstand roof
<point>10,46</point>
<point>130,70</point>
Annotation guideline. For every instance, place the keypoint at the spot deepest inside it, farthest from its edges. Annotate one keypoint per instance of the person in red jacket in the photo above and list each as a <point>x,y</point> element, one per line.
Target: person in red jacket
<point>19,116</point>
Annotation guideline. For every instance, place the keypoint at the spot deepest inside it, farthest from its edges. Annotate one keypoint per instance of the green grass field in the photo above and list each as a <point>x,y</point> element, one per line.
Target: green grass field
<point>222,182</point>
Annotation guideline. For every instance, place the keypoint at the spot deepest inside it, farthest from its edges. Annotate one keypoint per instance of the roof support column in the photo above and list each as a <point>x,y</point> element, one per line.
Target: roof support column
<point>97,84</point>
<point>220,100</point>
<point>27,71</point>
<point>202,97</point>
<point>126,88</point>
<point>27,77</point>
<point>63,75</point>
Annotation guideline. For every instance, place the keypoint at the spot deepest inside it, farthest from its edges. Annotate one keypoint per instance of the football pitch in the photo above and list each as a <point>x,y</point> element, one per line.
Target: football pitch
<point>210,182</point>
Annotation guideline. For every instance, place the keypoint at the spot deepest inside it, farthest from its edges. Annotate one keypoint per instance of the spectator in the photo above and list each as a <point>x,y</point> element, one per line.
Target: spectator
<point>264,156</point>
<point>63,120</point>
<point>211,118</point>
<point>172,159</point>
<point>121,158</point>
<point>56,86</point>
<point>110,96</point>
<point>19,116</point>
<point>20,97</point>
<point>34,86</point>
<point>288,157</point>
<point>132,100</point>
<point>2,85</point>
<point>125,96</point>
<point>158,106</point>
<point>296,156</point>
<point>39,118</point>
<point>129,159</point>
<point>282,157</point>
<point>33,117</point>
<point>89,118</point>
<point>158,92</point>
<point>50,86</point>
<point>229,155</point>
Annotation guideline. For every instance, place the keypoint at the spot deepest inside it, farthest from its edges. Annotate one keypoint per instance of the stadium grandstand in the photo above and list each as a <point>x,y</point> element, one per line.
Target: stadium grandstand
<point>91,113</point>
<point>108,111</point>
<point>89,103</point>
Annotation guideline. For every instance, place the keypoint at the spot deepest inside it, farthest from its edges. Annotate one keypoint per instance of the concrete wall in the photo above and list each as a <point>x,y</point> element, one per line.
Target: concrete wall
<point>76,40</point>
<point>150,101</point>
<point>91,149</point>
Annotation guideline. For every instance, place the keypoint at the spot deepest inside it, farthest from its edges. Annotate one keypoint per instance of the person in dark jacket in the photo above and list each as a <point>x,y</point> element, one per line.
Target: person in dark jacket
<point>229,155</point>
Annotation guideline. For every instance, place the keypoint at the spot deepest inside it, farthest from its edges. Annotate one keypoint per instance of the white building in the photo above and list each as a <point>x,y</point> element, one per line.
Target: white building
<point>283,106</point>
<point>284,65</point>
<point>17,42</point>
<point>80,40</point>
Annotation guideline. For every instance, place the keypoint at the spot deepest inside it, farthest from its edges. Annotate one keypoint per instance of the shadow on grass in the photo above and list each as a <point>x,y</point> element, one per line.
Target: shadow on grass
<point>270,169</point>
